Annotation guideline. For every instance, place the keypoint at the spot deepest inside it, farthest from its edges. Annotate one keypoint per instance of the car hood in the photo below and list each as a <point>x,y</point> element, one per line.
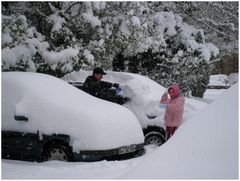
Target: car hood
<point>53,106</point>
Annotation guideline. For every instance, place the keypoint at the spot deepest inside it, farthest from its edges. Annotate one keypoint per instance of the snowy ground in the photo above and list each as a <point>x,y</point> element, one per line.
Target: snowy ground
<point>133,168</point>
<point>212,94</point>
<point>75,170</point>
<point>204,147</point>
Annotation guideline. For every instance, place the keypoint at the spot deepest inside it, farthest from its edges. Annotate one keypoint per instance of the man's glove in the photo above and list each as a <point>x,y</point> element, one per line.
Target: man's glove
<point>118,90</point>
<point>127,99</point>
<point>115,85</point>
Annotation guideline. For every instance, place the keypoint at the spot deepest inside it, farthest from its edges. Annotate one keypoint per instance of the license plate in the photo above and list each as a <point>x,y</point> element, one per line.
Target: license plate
<point>127,149</point>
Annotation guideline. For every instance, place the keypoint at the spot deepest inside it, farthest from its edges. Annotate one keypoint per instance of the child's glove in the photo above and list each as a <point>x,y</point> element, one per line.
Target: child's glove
<point>163,106</point>
<point>165,95</point>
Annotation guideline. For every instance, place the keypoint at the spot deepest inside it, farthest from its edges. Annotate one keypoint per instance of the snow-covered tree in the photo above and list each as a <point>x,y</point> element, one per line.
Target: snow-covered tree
<point>183,57</point>
<point>25,49</point>
<point>218,19</point>
<point>20,43</point>
<point>143,37</point>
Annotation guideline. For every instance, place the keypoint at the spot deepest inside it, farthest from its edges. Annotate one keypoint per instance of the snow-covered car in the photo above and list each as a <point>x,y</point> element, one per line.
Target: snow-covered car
<point>145,95</point>
<point>45,118</point>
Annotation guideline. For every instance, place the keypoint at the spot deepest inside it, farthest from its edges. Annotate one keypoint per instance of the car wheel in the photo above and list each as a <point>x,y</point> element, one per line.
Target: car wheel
<point>154,138</point>
<point>58,152</point>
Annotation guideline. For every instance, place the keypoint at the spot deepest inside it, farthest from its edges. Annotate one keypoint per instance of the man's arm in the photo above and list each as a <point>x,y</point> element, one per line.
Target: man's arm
<point>106,85</point>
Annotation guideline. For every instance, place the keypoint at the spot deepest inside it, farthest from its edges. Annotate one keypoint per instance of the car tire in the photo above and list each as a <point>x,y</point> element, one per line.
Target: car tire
<point>153,138</point>
<point>57,151</point>
<point>154,135</point>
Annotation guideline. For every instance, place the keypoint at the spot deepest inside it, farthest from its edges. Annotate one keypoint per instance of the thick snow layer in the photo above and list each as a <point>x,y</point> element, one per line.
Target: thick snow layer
<point>145,95</point>
<point>205,147</point>
<point>165,21</point>
<point>63,56</point>
<point>219,80</point>
<point>21,52</point>
<point>212,94</point>
<point>93,20</point>
<point>53,106</point>
<point>89,17</point>
<point>57,21</point>
<point>88,56</point>
<point>203,142</point>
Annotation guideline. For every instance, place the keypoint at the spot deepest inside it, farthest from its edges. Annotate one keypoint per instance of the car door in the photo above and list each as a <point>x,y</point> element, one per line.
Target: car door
<point>19,145</point>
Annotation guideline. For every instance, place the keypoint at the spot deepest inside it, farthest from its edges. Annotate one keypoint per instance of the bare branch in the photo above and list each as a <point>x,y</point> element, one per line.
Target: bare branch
<point>214,29</point>
<point>39,12</point>
<point>53,9</point>
<point>73,4</point>
<point>222,9</point>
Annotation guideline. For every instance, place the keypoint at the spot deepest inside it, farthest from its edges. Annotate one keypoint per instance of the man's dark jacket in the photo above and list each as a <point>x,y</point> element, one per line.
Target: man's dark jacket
<point>95,87</point>
<point>102,89</point>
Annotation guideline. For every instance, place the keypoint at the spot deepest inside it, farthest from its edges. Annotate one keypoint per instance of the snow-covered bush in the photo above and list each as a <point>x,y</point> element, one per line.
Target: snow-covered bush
<point>25,49</point>
<point>20,44</point>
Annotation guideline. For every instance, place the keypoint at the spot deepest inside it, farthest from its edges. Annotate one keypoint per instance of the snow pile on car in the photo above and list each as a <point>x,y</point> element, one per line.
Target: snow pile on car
<point>145,95</point>
<point>219,80</point>
<point>53,106</point>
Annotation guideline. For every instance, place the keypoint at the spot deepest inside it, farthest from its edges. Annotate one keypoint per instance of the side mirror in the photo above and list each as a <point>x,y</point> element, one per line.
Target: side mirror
<point>20,118</point>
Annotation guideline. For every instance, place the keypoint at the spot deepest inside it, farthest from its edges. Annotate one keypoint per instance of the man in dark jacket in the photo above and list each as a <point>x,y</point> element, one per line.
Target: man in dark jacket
<point>101,89</point>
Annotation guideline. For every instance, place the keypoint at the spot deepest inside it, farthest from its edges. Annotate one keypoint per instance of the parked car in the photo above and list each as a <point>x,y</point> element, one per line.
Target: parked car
<point>45,118</point>
<point>145,95</point>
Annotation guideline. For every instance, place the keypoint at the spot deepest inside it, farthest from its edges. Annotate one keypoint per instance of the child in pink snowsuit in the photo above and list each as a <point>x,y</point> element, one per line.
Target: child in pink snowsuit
<point>174,109</point>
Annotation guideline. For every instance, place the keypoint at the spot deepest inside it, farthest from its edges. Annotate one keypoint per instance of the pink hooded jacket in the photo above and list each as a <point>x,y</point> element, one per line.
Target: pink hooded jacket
<point>174,111</point>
